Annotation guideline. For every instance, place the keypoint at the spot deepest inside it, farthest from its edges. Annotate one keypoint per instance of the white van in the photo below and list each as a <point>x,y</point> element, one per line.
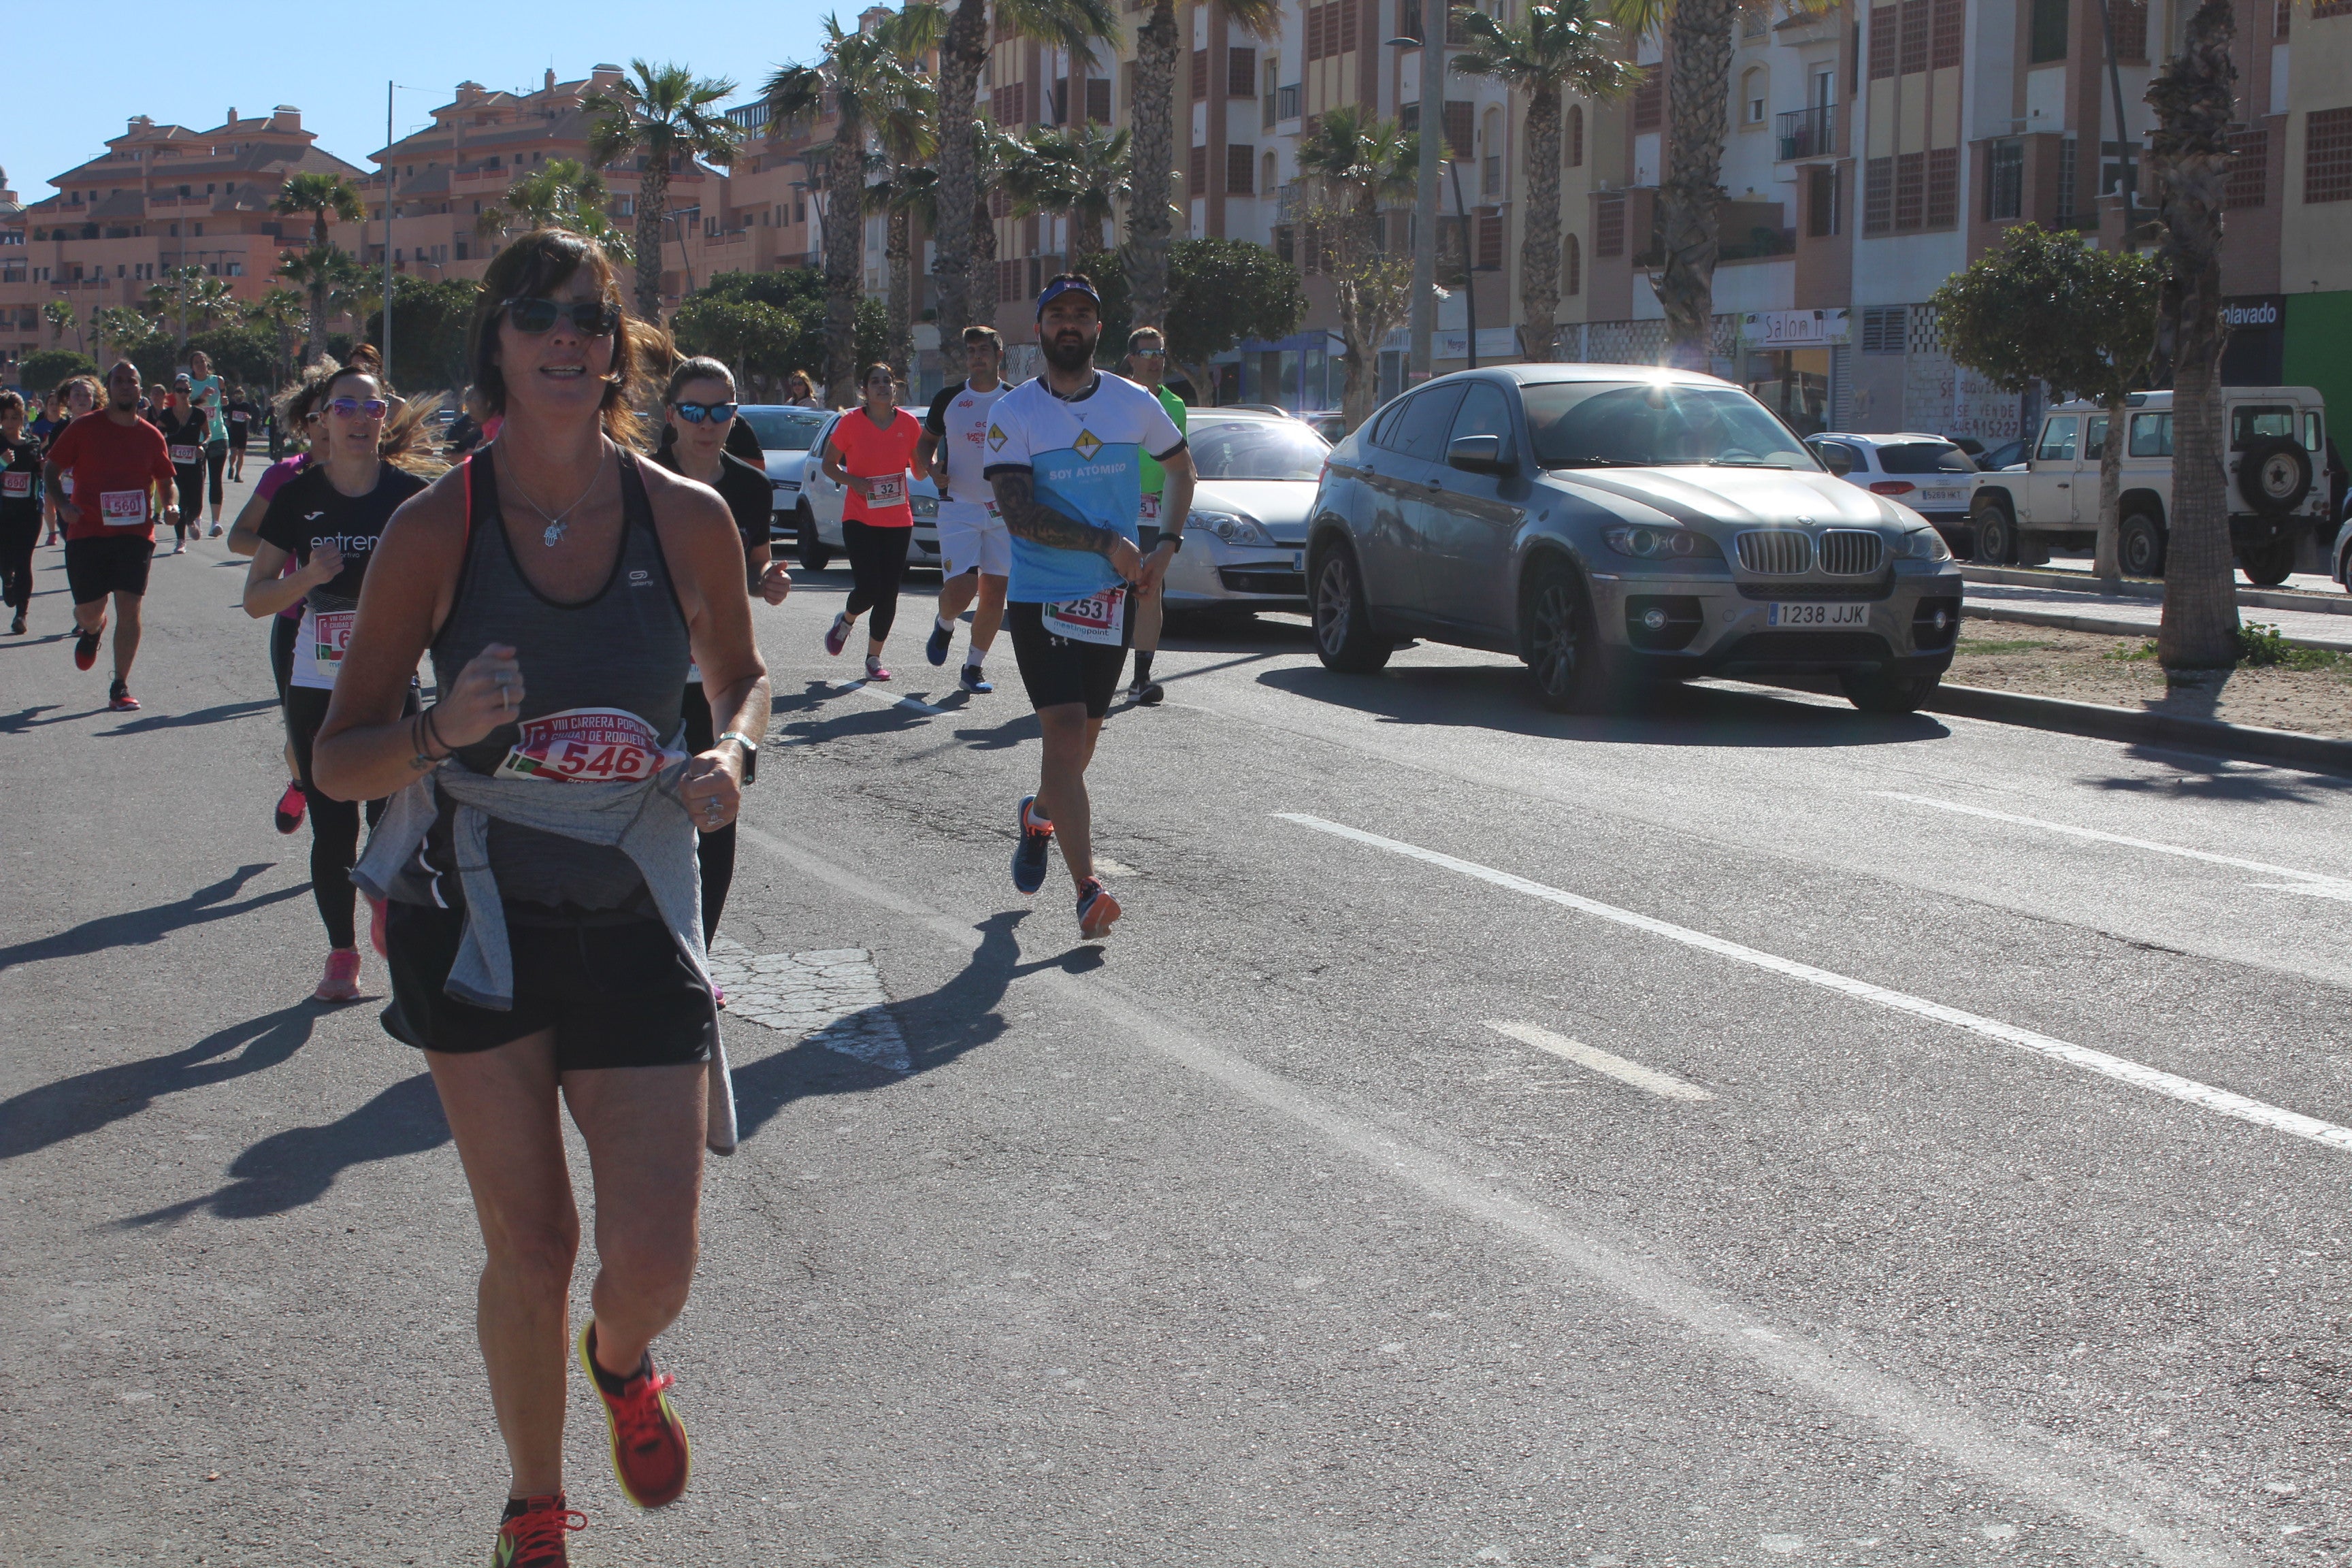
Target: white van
<point>2278,494</point>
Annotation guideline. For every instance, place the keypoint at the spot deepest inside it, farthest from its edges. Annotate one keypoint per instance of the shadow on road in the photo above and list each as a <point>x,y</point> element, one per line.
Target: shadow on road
<point>1495,697</point>
<point>201,716</point>
<point>940,1026</point>
<point>87,1101</point>
<point>23,719</point>
<point>288,1170</point>
<point>138,928</point>
<point>2195,776</point>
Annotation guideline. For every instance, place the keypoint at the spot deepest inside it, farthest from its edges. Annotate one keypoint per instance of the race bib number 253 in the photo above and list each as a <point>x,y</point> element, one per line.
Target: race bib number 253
<point>593,745</point>
<point>1097,618</point>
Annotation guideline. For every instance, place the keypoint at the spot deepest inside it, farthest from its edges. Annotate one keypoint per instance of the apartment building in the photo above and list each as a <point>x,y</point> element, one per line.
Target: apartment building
<point>158,197</point>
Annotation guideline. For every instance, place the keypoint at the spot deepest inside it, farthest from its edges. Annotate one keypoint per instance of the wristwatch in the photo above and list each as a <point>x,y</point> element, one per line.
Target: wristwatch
<point>1172,538</point>
<point>751,754</point>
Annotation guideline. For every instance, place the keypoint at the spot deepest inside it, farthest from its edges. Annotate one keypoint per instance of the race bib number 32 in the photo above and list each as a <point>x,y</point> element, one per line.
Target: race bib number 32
<point>122,508</point>
<point>888,491</point>
<point>1097,618</point>
<point>594,745</point>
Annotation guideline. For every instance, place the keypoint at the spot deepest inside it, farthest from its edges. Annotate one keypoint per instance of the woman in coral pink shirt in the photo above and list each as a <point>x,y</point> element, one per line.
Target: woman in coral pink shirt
<point>869,453</point>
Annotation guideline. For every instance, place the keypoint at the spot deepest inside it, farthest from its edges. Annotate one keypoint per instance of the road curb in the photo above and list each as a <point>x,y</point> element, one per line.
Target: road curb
<point>2248,743</point>
<point>2150,591</point>
<point>2100,625</point>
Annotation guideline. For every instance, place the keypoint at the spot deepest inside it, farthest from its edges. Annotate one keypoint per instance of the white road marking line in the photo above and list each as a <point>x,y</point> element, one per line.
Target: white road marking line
<point>917,703</point>
<point>2317,883</point>
<point>834,998</point>
<point>1663,1084</point>
<point>2138,1075</point>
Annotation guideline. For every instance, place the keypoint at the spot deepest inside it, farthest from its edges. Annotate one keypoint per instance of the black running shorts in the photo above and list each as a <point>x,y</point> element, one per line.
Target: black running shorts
<point>1059,671</point>
<point>616,995</point>
<point>96,568</point>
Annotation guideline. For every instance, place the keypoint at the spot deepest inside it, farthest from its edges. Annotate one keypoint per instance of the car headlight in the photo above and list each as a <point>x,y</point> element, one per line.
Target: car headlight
<point>926,507</point>
<point>1645,543</point>
<point>1232,528</point>
<point>1927,545</point>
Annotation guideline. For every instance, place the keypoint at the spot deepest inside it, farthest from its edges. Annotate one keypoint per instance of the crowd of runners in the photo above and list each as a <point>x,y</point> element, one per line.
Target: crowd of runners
<point>579,576</point>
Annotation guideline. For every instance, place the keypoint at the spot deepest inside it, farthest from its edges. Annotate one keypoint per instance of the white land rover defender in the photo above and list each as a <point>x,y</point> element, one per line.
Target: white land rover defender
<point>2277,494</point>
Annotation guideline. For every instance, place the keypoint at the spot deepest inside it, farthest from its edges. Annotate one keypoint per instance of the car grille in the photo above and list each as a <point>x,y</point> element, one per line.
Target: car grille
<point>1806,647</point>
<point>1237,581</point>
<point>1851,552</point>
<point>1775,553</point>
<point>1876,589</point>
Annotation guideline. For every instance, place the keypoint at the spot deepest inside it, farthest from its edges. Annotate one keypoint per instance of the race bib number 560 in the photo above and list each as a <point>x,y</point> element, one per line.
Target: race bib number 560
<point>122,508</point>
<point>595,745</point>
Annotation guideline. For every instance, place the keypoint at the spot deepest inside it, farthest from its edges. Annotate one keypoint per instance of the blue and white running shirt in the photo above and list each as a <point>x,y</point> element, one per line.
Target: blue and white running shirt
<point>1084,456</point>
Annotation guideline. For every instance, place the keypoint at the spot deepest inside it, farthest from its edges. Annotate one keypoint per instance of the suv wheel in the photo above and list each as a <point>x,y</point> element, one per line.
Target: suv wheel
<point>815,551</point>
<point>1574,673</point>
<point>1996,533</point>
<point>1344,637</point>
<point>2140,546</point>
<point>2268,565</point>
<point>1881,693</point>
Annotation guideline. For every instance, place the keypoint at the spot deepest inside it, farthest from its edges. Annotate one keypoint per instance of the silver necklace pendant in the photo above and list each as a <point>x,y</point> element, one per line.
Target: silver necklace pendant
<point>554,534</point>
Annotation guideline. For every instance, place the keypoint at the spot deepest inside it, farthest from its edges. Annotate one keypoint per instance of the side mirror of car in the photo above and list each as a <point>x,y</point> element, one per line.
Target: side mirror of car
<point>1836,460</point>
<point>1478,455</point>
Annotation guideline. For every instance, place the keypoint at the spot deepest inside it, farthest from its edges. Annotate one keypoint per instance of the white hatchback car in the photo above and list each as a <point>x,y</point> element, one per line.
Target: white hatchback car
<point>1927,473</point>
<point>1245,541</point>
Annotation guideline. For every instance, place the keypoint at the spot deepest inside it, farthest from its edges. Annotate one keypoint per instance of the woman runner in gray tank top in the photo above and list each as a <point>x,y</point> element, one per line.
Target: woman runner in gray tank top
<point>562,587</point>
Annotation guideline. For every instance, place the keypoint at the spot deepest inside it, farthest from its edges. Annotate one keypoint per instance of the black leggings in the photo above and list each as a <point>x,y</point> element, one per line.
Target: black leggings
<point>284,632</point>
<point>192,498</point>
<point>18,536</point>
<point>216,459</point>
<point>716,850</point>
<point>877,559</point>
<point>334,824</point>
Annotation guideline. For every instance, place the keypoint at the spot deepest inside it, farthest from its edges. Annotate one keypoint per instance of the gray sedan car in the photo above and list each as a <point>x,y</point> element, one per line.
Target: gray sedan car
<point>1611,522</point>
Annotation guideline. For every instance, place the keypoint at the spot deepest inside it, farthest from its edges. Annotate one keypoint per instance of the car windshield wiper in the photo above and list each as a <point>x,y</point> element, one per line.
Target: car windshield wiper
<point>1602,463</point>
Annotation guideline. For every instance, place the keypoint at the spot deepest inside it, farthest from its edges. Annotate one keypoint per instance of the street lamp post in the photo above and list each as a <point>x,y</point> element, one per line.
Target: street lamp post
<point>1424,240</point>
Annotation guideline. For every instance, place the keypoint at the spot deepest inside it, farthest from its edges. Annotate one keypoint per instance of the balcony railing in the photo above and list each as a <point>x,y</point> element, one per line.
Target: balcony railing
<point>1807,132</point>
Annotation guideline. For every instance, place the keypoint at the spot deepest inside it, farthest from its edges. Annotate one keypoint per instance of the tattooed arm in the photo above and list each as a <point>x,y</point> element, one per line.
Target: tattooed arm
<point>1028,518</point>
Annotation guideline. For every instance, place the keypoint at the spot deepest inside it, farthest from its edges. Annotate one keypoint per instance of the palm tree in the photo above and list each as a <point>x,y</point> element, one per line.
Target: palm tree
<point>329,276</point>
<point>665,119</point>
<point>1561,47</point>
<point>59,314</point>
<point>1079,174</point>
<point>1356,167</point>
<point>2189,156</point>
<point>324,197</point>
<point>564,194</point>
<point>862,83</point>
<point>1154,114</point>
<point>907,138</point>
<point>1071,26</point>
<point>278,309</point>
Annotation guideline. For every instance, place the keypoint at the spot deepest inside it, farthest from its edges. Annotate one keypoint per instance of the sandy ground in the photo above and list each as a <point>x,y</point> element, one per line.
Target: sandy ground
<point>2119,672</point>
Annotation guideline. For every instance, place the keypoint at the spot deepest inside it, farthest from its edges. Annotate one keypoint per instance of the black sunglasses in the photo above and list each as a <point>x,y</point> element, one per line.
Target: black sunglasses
<point>695,413</point>
<point>593,318</point>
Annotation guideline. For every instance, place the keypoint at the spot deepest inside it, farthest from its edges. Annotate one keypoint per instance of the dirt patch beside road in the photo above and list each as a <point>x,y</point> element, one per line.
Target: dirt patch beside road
<point>2310,692</point>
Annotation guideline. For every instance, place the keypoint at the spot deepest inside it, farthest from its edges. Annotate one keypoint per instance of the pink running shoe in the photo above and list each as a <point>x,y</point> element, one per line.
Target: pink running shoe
<point>836,636</point>
<point>341,981</point>
<point>874,670</point>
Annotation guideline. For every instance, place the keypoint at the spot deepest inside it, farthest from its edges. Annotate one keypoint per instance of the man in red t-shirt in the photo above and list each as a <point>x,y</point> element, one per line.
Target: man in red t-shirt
<point>123,477</point>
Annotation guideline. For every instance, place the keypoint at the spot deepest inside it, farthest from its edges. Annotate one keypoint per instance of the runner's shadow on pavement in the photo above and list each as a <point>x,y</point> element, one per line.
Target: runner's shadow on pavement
<point>56,1113</point>
<point>1016,730</point>
<point>139,928</point>
<point>940,1026</point>
<point>23,719</point>
<point>2199,776</point>
<point>289,1170</point>
<point>201,716</point>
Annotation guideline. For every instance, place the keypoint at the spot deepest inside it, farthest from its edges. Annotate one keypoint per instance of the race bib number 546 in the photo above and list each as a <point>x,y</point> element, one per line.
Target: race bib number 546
<point>595,745</point>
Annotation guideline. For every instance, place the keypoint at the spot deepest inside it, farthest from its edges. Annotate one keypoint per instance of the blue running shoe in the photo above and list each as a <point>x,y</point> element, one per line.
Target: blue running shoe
<point>1029,855</point>
<point>971,680</point>
<point>936,650</point>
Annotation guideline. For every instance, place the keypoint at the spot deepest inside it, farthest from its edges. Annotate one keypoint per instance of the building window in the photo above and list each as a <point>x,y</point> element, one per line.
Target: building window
<point>1943,187</point>
<point>2004,179</point>
<point>2328,155</point>
<point>2047,40</point>
<point>1576,136</point>
<point>1910,190</point>
<point>1490,174</point>
<point>1241,164</point>
<point>2248,184</point>
<point>1609,225</point>
<point>2068,156</point>
<point>1490,242</point>
<point>1200,75</point>
<point>1098,99</point>
<point>1882,330</point>
<point>1822,201</point>
<point>1752,86</point>
<point>1197,176</point>
<point>1273,85</point>
<point>1571,266</point>
<point>1649,100</point>
<point>1914,35</point>
<point>1457,128</point>
<point>1878,195</point>
<point>1885,35</point>
<point>1267,175</point>
<point>2130,19</point>
<point>1241,72</point>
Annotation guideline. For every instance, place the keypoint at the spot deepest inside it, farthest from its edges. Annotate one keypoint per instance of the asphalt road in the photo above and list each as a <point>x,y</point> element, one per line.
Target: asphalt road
<point>1745,1132</point>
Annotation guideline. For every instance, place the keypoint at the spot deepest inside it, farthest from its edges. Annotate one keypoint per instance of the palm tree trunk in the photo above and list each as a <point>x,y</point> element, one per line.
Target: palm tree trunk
<point>1154,113</point>
<point>2188,156</point>
<point>845,236</point>
<point>1699,51</point>
<point>897,248</point>
<point>1540,228</point>
<point>961,56</point>
<point>653,201</point>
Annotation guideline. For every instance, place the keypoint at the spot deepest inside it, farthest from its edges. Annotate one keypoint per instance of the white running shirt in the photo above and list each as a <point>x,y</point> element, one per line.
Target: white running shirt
<point>958,420</point>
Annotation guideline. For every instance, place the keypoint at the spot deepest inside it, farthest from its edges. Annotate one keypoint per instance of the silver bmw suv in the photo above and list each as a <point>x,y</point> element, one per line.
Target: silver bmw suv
<point>1609,523</point>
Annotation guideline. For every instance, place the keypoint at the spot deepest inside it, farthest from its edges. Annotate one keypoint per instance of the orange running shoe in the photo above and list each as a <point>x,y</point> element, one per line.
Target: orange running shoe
<point>651,1457</point>
<point>1096,909</point>
<point>531,1535</point>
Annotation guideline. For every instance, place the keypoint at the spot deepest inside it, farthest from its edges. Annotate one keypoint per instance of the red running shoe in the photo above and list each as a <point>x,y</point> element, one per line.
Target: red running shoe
<point>86,650</point>
<point>119,699</point>
<point>651,1457</point>
<point>532,1536</point>
<point>291,807</point>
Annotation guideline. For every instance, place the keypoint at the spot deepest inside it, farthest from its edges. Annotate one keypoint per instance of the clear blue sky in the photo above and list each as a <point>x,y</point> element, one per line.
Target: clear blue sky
<point>76,76</point>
